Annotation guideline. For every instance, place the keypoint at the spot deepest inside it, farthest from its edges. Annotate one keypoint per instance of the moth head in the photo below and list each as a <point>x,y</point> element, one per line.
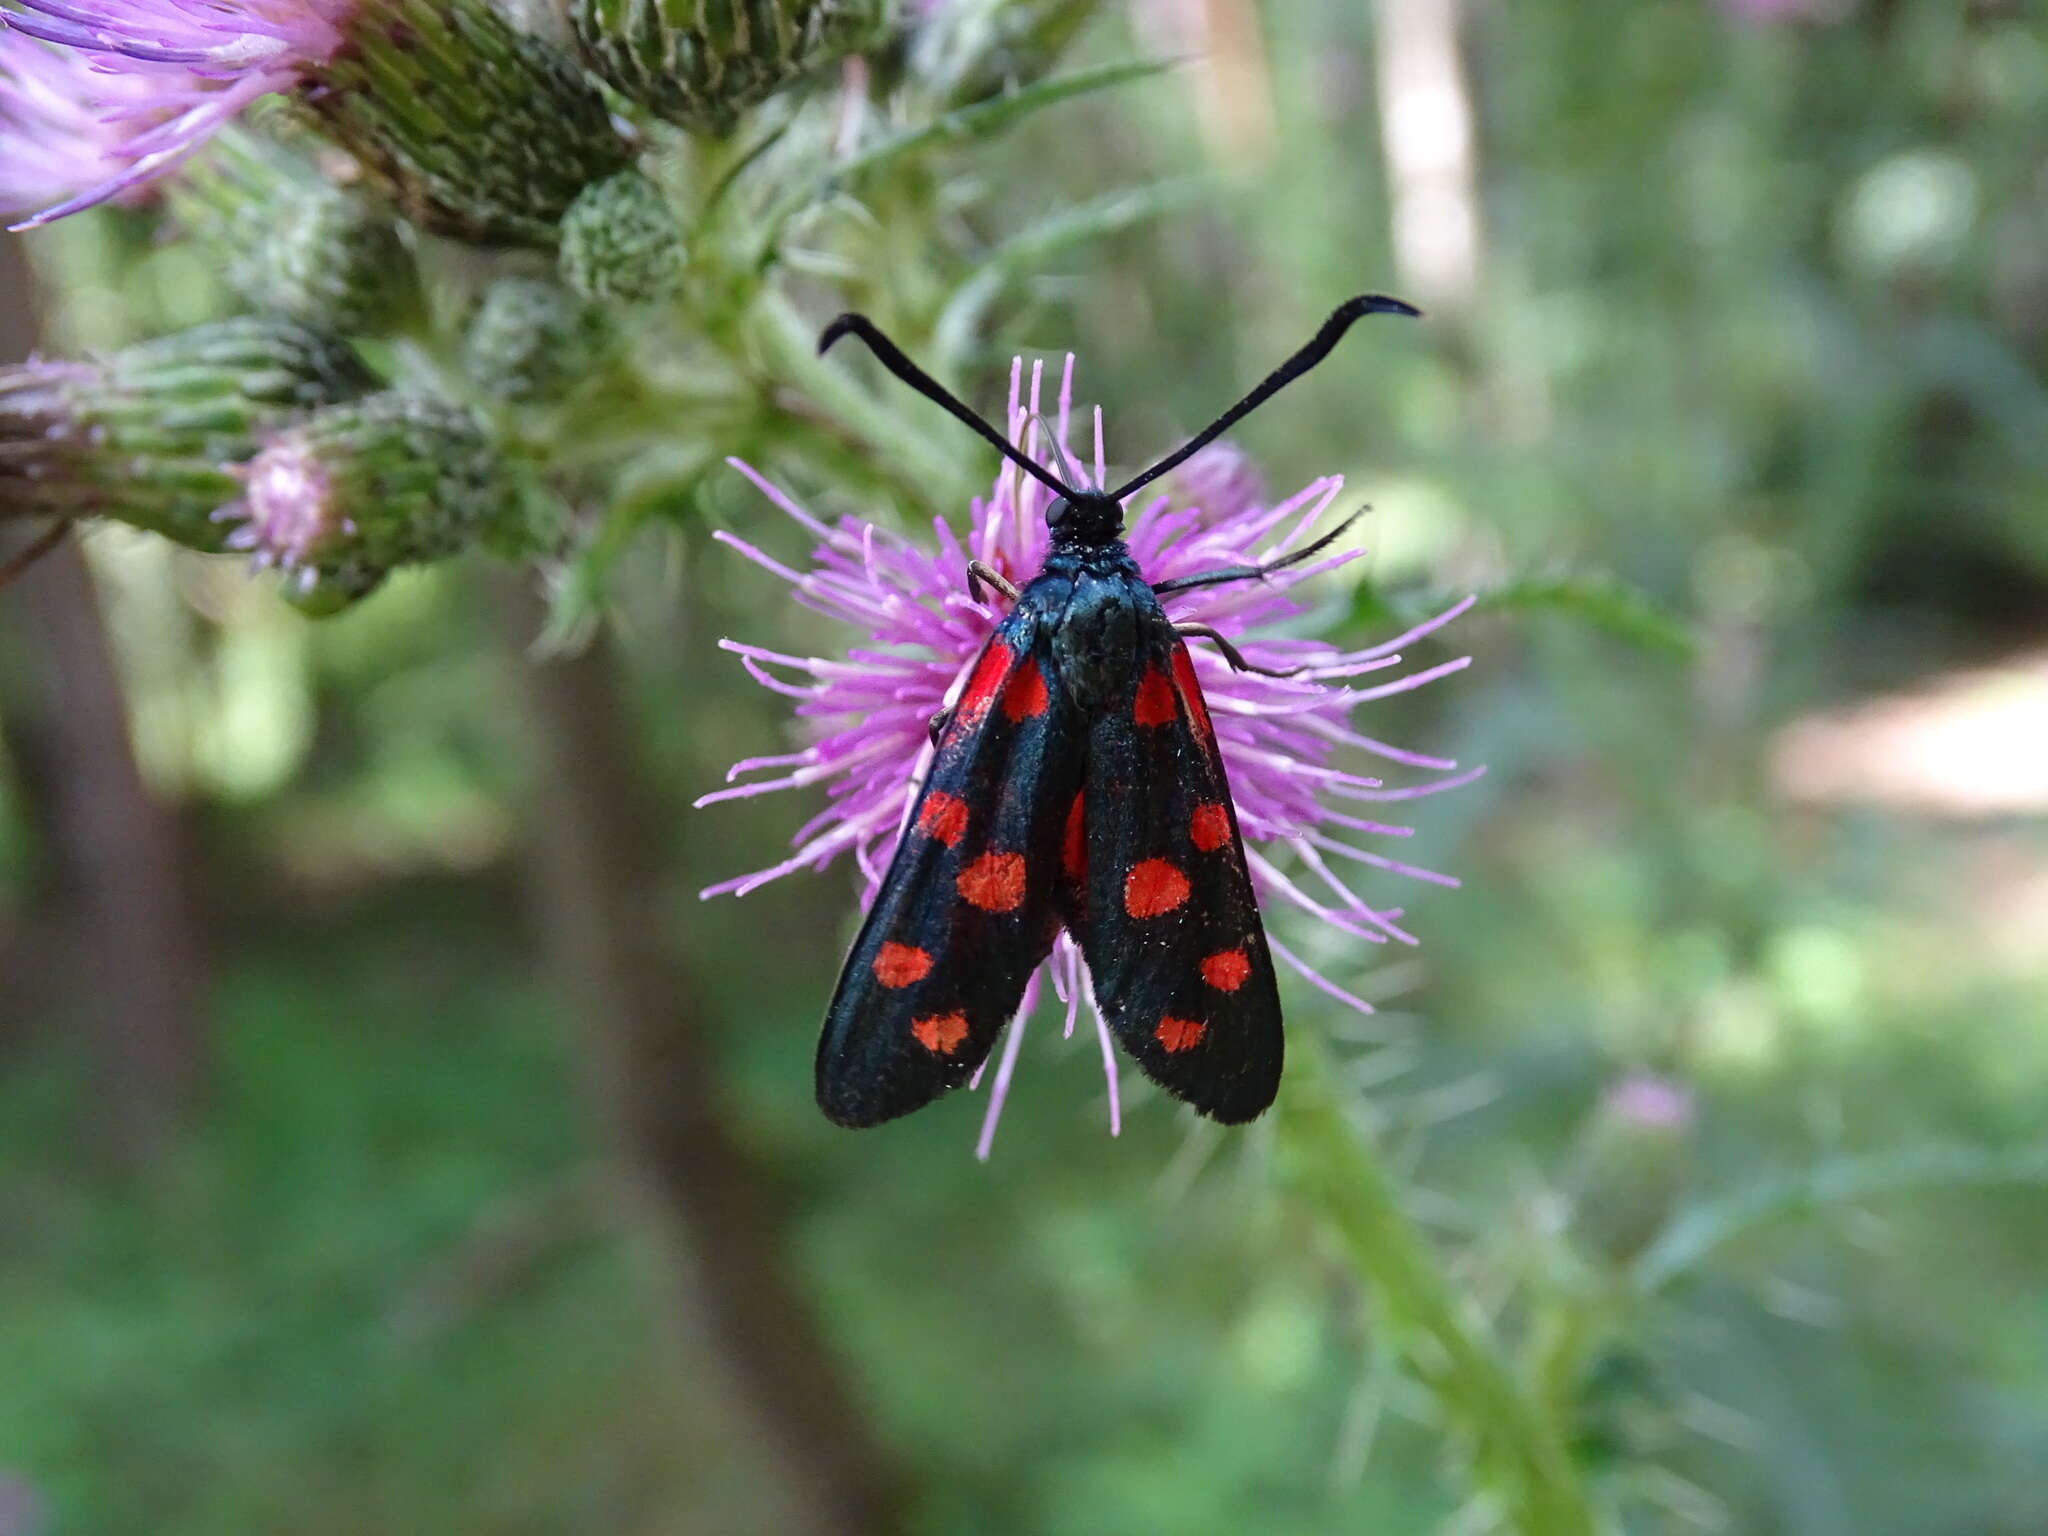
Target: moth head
<point>1085,518</point>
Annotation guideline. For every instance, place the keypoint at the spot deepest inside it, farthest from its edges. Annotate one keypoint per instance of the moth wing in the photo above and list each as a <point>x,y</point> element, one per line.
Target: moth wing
<point>1166,915</point>
<point>966,911</point>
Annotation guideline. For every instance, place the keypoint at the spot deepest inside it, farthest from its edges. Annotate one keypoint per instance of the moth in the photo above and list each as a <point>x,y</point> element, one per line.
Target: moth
<point>1075,783</point>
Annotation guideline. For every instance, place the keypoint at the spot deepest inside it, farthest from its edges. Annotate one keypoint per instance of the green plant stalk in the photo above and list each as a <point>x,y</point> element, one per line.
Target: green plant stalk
<point>791,352</point>
<point>1521,1455</point>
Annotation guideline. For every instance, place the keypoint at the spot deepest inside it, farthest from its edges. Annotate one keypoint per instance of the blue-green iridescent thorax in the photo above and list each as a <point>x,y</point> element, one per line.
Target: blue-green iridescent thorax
<point>1092,601</point>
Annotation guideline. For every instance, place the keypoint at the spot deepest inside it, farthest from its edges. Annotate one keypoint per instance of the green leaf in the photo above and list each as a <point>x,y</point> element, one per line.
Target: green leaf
<point>1703,1230</point>
<point>1599,602</point>
<point>985,119</point>
<point>1025,254</point>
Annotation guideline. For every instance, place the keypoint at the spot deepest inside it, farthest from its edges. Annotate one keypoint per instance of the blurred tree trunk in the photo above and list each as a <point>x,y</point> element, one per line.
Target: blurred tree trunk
<point>119,921</point>
<point>1429,136</point>
<point>655,1081</point>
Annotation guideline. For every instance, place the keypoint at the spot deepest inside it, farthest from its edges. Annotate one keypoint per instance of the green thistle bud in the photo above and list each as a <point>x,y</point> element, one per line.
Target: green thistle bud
<point>701,63</point>
<point>343,498</point>
<point>140,436</point>
<point>1633,1164</point>
<point>290,242</point>
<point>532,340</point>
<point>476,129</point>
<point>621,241</point>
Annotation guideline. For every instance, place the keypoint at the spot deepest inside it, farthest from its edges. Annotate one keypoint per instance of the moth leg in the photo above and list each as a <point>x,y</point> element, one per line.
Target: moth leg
<point>1230,652</point>
<point>936,726</point>
<point>979,572</point>
<point>1257,572</point>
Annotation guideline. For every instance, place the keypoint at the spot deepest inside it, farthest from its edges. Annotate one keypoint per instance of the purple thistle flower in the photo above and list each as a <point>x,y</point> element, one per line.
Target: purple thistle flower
<point>287,516</point>
<point>1766,11</point>
<point>1644,1101</point>
<point>866,714</point>
<point>63,124</point>
<point>162,76</point>
<point>343,497</point>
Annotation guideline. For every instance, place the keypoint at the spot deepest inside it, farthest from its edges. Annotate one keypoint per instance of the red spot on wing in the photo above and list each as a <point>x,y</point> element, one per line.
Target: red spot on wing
<point>1154,704</point>
<point>1074,846</point>
<point>1025,696</point>
<point>944,816</point>
<point>1227,970</point>
<point>1154,887</point>
<point>988,676</point>
<point>994,882</point>
<point>942,1033</point>
<point>898,965</point>
<point>1190,690</point>
<point>1209,827</point>
<point>1179,1035</point>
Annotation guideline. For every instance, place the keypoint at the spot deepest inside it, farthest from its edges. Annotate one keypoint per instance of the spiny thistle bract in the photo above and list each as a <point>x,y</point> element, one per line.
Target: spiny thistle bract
<point>699,63</point>
<point>477,130</point>
<point>865,714</point>
<point>145,436</point>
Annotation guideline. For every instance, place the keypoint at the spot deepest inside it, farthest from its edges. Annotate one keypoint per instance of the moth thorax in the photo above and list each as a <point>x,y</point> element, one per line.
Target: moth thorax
<point>1089,519</point>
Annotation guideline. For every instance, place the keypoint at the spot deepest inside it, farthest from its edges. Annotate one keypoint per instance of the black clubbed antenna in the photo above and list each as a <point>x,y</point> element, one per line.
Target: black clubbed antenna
<point>892,358</point>
<point>1320,346</point>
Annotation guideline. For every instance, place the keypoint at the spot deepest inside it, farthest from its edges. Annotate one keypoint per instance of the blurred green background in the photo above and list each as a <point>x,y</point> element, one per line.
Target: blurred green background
<point>326,1205</point>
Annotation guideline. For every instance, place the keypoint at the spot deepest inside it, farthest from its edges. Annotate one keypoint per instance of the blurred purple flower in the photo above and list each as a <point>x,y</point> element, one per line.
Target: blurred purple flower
<point>163,75</point>
<point>1780,10</point>
<point>1645,1101</point>
<point>63,124</point>
<point>866,714</point>
<point>22,1509</point>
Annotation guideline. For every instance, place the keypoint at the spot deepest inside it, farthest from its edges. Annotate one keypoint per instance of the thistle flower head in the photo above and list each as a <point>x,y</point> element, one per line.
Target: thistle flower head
<point>142,84</point>
<point>142,436</point>
<point>341,499</point>
<point>290,502</point>
<point>512,134</point>
<point>700,65</point>
<point>66,127</point>
<point>1289,746</point>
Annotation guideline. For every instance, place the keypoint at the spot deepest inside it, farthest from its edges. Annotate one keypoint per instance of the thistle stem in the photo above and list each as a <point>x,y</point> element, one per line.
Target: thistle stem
<point>1520,1455</point>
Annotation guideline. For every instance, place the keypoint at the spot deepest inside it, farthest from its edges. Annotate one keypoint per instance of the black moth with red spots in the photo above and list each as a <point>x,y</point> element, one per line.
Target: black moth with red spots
<point>1076,783</point>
